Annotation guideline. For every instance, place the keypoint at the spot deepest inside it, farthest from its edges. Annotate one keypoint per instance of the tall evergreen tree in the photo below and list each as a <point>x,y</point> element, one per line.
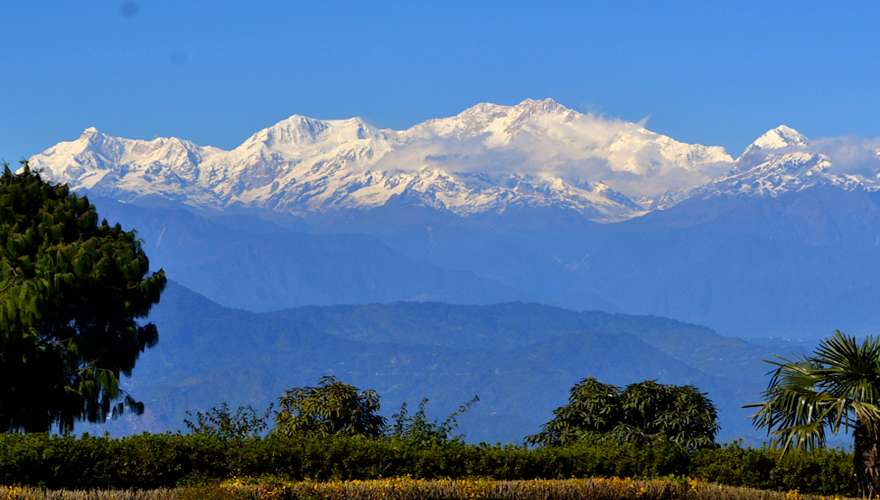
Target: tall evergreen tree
<point>71,293</point>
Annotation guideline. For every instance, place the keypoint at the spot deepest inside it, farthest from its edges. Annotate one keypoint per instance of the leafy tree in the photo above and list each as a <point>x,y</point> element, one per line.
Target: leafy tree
<point>593,407</point>
<point>221,422</point>
<point>682,414</point>
<point>640,413</point>
<point>416,428</point>
<point>332,408</point>
<point>71,291</point>
<point>836,388</point>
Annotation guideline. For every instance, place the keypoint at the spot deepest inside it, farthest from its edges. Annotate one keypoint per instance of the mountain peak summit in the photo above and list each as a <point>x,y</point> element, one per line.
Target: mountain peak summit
<point>89,132</point>
<point>780,137</point>
<point>546,104</point>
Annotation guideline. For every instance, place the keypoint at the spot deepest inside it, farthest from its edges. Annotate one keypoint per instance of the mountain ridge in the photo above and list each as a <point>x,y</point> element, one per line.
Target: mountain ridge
<point>521,358</point>
<point>487,158</point>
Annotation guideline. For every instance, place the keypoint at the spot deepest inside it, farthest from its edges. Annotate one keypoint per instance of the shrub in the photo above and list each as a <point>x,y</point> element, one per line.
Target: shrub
<point>220,421</point>
<point>417,429</point>
<point>166,460</point>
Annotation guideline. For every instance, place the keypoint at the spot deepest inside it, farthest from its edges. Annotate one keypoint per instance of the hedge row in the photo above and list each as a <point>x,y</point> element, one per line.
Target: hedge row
<point>164,460</point>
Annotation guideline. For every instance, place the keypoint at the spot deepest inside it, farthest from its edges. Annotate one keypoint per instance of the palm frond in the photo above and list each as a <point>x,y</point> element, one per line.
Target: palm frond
<point>833,389</point>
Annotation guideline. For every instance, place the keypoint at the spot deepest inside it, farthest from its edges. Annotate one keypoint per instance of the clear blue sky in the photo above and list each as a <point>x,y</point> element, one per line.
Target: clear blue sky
<point>216,71</point>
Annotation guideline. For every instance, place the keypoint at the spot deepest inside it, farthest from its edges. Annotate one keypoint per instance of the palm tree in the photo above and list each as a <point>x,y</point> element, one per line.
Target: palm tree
<point>836,388</point>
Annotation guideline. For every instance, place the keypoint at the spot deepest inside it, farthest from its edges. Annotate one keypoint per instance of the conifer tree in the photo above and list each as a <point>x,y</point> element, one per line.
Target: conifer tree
<point>71,292</point>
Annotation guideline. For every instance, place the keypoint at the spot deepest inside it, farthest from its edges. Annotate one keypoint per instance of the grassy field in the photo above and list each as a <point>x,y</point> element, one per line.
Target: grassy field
<point>412,489</point>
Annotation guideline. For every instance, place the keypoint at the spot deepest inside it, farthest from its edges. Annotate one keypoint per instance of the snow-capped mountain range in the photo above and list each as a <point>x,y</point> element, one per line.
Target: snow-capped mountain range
<point>488,158</point>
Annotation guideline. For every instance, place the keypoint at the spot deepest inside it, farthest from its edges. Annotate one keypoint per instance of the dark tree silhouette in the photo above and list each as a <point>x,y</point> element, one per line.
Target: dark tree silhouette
<point>71,292</point>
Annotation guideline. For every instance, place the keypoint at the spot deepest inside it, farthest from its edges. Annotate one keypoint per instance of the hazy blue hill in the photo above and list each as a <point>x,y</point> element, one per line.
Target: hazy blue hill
<point>245,261</point>
<point>797,265</point>
<point>520,358</point>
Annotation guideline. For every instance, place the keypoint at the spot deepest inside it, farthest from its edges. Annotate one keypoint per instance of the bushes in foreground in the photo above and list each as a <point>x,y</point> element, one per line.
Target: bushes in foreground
<point>165,460</point>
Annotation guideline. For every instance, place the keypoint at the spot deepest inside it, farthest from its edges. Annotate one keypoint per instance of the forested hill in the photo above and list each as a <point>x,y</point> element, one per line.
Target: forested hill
<point>520,358</point>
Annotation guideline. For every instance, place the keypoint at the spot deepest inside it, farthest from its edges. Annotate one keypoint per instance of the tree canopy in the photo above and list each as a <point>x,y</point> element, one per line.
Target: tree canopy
<point>71,293</point>
<point>639,413</point>
<point>330,408</point>
<point>836,388</point>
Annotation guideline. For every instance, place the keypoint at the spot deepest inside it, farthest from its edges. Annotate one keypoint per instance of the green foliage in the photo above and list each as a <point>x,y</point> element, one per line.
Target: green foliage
<point>152,461</point>
<point>593,407</point>
<point>221,422</point>
<point>417,429</point>
<point>641,414</point>
<point>71,291</point>
<point>837,388</point>
<point>834,389</point>
<point>332,408</point>
<point>827,471</point>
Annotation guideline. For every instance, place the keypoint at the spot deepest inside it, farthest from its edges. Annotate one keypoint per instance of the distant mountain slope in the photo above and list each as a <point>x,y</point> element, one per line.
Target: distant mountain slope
<point>251,263</point>
<point>520,358</point>
<point>797,265</point>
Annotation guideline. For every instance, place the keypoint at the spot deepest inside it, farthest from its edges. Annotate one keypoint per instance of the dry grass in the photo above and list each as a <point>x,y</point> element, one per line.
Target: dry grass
<point>412,489</point>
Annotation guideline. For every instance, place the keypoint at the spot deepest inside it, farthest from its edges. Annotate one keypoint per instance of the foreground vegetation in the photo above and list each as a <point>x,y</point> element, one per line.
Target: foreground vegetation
<point>73,292</point>
<point>164,461</point>
<point>406,489</point>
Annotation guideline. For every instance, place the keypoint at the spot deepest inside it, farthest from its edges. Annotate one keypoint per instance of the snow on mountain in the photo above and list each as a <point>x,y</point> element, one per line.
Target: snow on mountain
<point>780,137</point>
<point>488,158</point>
<point>782,160</point>
<point>776,174</point>
<point>542,136</point>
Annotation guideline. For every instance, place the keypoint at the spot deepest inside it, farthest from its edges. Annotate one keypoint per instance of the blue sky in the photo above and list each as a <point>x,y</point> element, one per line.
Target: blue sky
<point>216,71</point>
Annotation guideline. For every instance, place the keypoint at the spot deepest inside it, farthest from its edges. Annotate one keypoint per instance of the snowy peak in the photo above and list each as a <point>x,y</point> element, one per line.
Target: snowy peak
<point>780,137</point>
<point>89,133</point>
<point>495,122</point>
<point>780,161</point>
<point>488,158</point>
<point>542,106</point>
<point>777,174</point>
<point>299,131</point>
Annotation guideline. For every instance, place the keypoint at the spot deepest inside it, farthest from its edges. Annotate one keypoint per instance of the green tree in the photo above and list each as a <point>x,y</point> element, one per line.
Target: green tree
<point>836,388</point>
<point>416,428</point>
<point>332,408</point>
<point>593,407</point>
<point>71,292</point>
<point>221,422</point>
<point>640,413</point>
